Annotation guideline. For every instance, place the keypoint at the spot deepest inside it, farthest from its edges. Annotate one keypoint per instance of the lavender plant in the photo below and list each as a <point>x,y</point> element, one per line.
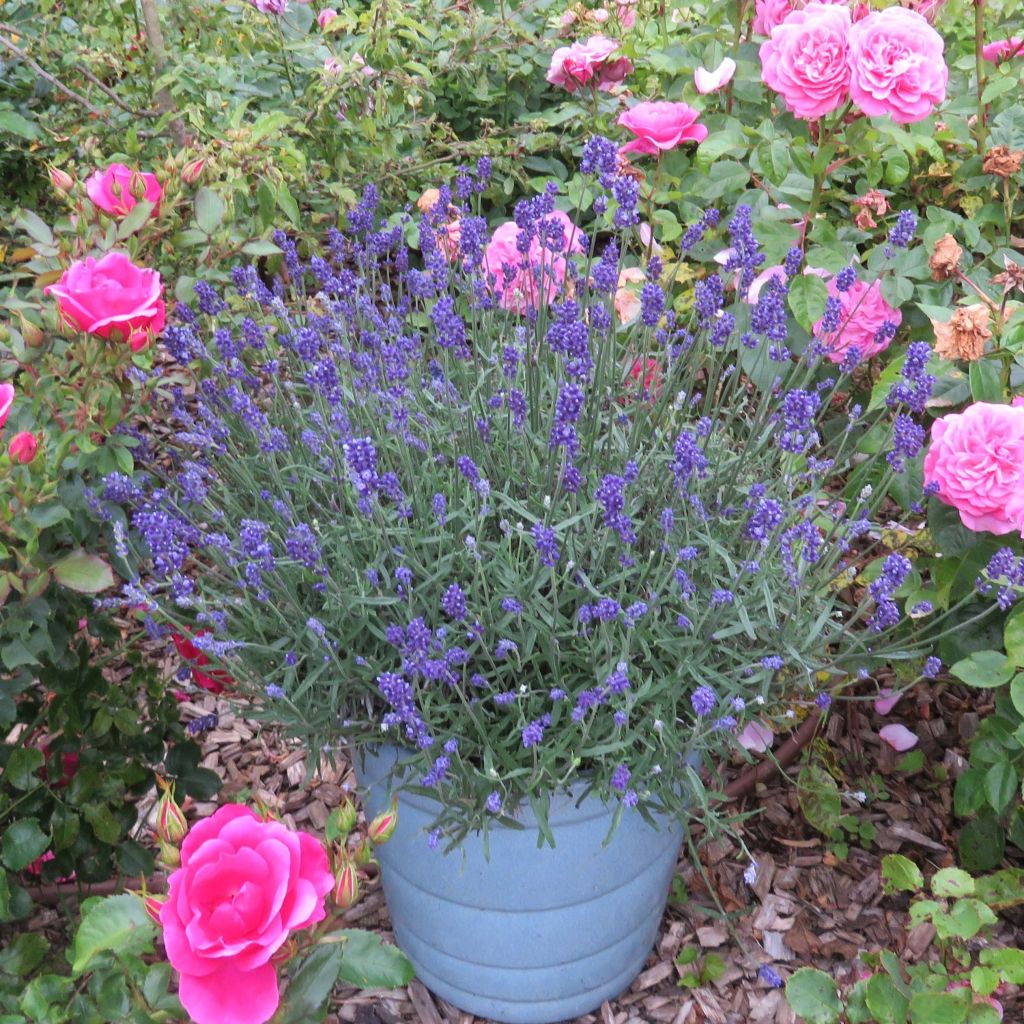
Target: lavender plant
<point>531,548</point>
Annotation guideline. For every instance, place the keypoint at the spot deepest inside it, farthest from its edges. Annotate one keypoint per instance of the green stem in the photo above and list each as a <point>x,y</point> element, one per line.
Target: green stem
<point>741,10</point>
<point>979,67</point>
<point>285,60</point>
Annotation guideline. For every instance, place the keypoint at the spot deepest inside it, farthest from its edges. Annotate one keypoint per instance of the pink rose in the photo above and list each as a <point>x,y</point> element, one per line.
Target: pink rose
<point>896,65</point>
<point>243,885</point>
<point>519,288</point>
<point>117,189</point>
<point>23,446</point>
<point>862,313</point>
<point>586,63</point>
<point>711,81</point>
<point>976,458</point>
<point>1003,49</point>
<point>625,13</point>
<point>805,61</point>
<point>769,14</point>
<point>326,16</point>
<point>1019,400</point>
<point>659,125</point>
<point>111,298</point>
<point>6,401</point>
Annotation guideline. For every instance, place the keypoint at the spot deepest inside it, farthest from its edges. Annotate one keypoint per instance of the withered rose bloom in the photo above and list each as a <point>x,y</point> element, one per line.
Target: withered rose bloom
<point>1003,161</point>
<point>1012,277</point>
<point>945,258</point>
<point>872,202</point>
<point>965,335</point>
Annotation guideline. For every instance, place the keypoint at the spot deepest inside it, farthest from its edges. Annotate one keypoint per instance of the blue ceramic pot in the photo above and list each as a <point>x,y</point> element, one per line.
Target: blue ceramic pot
<point>530,936</point>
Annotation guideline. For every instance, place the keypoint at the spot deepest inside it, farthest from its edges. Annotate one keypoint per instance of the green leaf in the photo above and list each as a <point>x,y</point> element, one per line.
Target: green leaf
<point>940,1007</point>
<point>983,669</point>
<point>775,160</point>
<point>813,995</point>
<point>984,980</point>
<point>998,86</point>
<point>42,516</point>
<point>116,922</point>
<point>1008,962</point>
<point>82,572</point>
<point>310,985</point>
<point>209,210</point>
<point>1000,785</point>
<point>103,823</point>
<point>261,247</point>
<point>964,920</point>
<point>981,844</point>
<point>23,842</point>
<point>900,874</point>
<point>1002,889</point>
<point>138,216</point>
<point>951,883</point>
<point>897,166</point>
<point>286,201</point>
<point>885,1000</point>
<point>34,226</point>
<point>11,121</point>
<point>986,383</point>
<point>22,766</point>
<point>65,825</point>
<point>370,963</point>
<point>807,297</point>
<point>1013,637</point>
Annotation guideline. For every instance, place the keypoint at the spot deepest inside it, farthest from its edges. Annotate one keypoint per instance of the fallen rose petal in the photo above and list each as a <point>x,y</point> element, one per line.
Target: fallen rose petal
<point>756,736</point>
<point>887,700</point>
<point>899,737</point>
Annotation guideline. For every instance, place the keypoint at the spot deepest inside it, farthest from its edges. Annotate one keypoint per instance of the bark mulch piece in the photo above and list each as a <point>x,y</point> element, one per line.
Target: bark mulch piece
<point>806,907</point>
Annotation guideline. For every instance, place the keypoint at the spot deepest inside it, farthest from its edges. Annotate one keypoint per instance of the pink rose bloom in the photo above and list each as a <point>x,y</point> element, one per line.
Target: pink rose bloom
<point>711,81</point>
<point>584,63</point>
<point>6,401</point>
<point>862,312</point>
<point>805,61</point>
<point>243,885</point>
<point>1019,400</point>
<point>896,65</point>
<point>769,14</point>
<point>1003,49</point>
<point>111,298</point>
<point>117,189</point>
<point>24,446</point>
<point>976,458</point>
<point>659,125</point>
<point>326,16</point>
<point>626,14</point>
<point>521,288</point>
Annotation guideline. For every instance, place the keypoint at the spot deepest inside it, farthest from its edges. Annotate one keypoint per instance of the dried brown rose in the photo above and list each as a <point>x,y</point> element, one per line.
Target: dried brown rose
<point>1012,277</point>
<point>1003,161</point>
<point>965,335</point>
<point>945,258</point>
<point>872,202</point>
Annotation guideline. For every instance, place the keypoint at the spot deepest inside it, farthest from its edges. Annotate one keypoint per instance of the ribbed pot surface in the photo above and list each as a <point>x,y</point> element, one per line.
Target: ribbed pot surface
<point>530,936</point>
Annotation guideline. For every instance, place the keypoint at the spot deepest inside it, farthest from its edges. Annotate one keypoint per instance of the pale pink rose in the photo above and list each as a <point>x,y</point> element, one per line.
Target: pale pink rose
<point>24,446</point>
<point>896,65</point>
<point>777,271</point>
<point>976,457</point>
<point>333,66</point>
<point>627,300</point>
<point>588,63</point>
<point>711,81</point>
<point>1003,49</point>
<point>448,237</point>
<point>525,287</point>
<point>899,737</point>
<point>887,700</point>
<point>6,401</point>
<point>756,736</point>
<point>244,884</point>
<point>600,15</point>
<point>863,312</point>
<point>659,125</point>
<point>770,13</point>
<point>366,69</point>
<point>111,298</point>
<point>117,189</point>
<point>626,13</point>
<point>805,60</point>
<point>928,8</point>
<point>326,16</point>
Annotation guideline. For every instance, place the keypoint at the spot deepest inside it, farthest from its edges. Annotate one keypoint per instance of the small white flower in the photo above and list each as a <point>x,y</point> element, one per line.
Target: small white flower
<point>656,770</point>
<point>523,690</point>
<point>866,491</point>
<point>571,564</point>
<point>750,875</point>
<point>547,501</point>
<point>658,725</point>
<point>791,713</point>
<point>860,796</point>
<point>759,699</point>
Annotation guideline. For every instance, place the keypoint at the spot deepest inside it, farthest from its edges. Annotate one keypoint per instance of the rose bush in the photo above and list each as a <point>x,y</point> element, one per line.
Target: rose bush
<point>243,886</point>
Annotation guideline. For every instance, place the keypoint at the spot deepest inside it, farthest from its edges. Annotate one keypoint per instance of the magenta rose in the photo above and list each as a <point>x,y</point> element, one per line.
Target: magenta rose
<point>976,459</point>
<point>244,884</point>
<point>111,298</point>
<point>519,287</point>
<point>896,65</point>
<point>117,189</point>
<point>1003,49</point>
<point>805,61</point>
<point>6,401</point>
<point>659,125</point>
<point>588,63</point>
<point>862,315</point>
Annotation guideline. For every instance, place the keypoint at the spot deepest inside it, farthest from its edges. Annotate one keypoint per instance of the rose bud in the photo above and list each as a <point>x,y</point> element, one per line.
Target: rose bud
<point>153,904</point>
<point>23,447</point>
<point>364,854</point>
<point>138,185</point>
<point>344,818</point>
<point>192,171</point>
<point>169,856</point>
<point>383,826</point>
<point>171,826</point>
<point>60,180</point>
<point>346,885</point>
